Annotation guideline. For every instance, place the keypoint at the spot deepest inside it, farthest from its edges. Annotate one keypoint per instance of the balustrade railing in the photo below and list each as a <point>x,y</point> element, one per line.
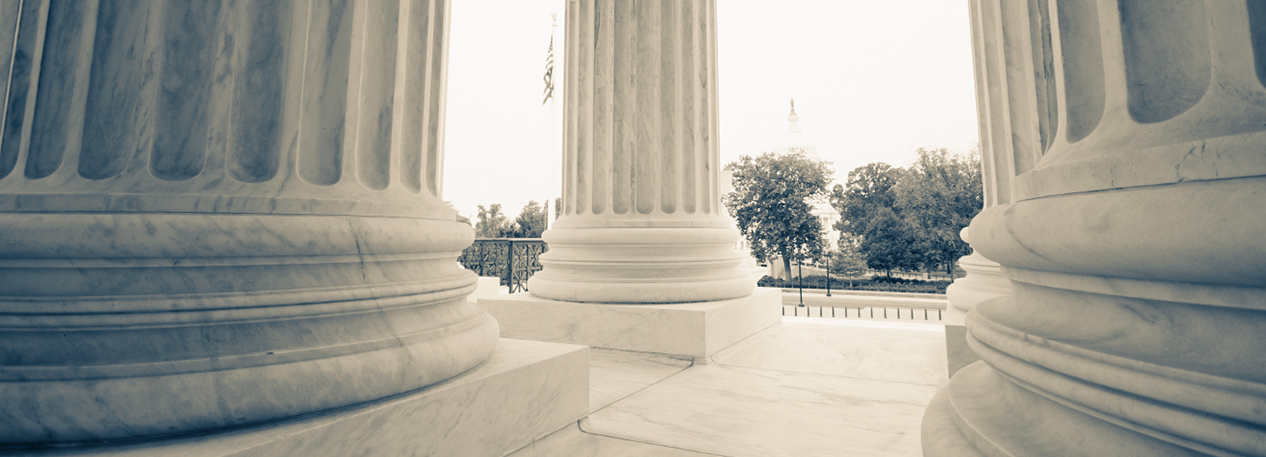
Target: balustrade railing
<point>514,260</point>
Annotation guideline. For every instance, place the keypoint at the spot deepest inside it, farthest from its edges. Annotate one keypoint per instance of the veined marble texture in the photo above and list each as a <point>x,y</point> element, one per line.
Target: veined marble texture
<point>526,390</point>
<point>877,352</point>
<point>617,374</point>
<point>684,329</point>
<point>221,213</point>
<point>738,411</point>
<point>572,442</point>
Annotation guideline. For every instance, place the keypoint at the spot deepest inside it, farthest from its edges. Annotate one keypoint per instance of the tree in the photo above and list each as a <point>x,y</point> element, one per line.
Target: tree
<point>937,197</point>
<point>868,213</point>
<point>460,217</point>
<point>491,223</point>
<point>887,243</point>
<point>770,203</point>
<point>847,261</point>
<point>529,224</point>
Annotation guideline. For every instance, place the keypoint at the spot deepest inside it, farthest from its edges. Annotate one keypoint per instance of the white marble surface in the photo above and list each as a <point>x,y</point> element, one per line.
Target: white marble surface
<point>641,217</point>
<point>688,329</point>
<point>617,374</point>
<point>572,442</point>
<point>913,353</point>
<point>738,411</point>
<point>526,390</point>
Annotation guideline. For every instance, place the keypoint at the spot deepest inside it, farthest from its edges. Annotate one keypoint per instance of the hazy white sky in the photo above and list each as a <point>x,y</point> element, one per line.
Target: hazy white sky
<point>873,80</point>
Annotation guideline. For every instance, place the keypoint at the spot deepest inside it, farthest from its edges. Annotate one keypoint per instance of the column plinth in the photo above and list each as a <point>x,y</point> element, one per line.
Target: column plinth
<point>221,214</point>
<point>642,220</point>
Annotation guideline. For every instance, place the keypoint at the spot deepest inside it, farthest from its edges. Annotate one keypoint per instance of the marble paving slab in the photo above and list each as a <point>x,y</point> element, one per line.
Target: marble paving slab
<point>572,442</point>
<point>739,411</point>
<point>907,353</point>
<point>615,374</point>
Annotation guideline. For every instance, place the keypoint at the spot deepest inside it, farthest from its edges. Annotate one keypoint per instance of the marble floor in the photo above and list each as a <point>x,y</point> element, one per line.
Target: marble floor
<point>808,387</point>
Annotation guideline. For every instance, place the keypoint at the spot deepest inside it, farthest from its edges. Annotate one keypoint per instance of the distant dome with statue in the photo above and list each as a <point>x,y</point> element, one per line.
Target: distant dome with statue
<point>793,140</point>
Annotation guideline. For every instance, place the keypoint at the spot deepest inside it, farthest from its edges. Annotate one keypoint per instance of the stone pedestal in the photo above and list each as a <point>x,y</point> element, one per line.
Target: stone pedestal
<point>642,221</point>
<point>1133,236</point>
<point>218,214</point>
<point>695,330</point>
<point>984,281</point>
<point>524,391</point>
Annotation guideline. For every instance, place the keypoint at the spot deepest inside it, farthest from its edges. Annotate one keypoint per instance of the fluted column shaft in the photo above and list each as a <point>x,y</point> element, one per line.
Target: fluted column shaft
<point>642,220</point>
<point>221,213</point>
<point>1133,235</point>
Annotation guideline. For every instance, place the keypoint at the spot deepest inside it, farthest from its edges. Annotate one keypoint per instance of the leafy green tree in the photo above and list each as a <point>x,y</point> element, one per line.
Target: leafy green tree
<point>770,203</point>
<point>887,243</point>
<point>869,188</point>
<point>938,195</point>
<point>529,224</point>
<point>867,212</point>
<point>847,259</point>
<point>491,222</point>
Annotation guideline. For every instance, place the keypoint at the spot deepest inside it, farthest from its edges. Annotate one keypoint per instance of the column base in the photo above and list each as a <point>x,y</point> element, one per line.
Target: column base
<point>958,353</point>
<point>684,329</point>
<point>526,390</point>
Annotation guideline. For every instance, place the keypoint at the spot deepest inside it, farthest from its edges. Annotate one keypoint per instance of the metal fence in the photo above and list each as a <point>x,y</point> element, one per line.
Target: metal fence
<point>514,260</point>
<point>866,312</point>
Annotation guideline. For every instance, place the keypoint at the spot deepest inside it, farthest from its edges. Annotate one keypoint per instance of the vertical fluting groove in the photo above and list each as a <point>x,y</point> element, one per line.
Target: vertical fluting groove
<point>426,82</point>
<point>28,25</point>
<point>1082,57</point>
<point>708,19</point>
<point>999,112</point>
<point>1021,96</point>
<point>1257,31</point>
<point>259,91</point>
<point>1043,72</point>
<point>117,112</point>
<point>10,19</point>
<point>377,94</point>
<point>437,96</point>
<point>646,67</point>
<point>571,110</point>
<point>585,102</point>
<point>57,128</point>
<point>670,108</point>
<point>1168,63</point>
<point>408,140</point>
<point>703,109</point>
<point>188,56</point>
<point>982,104</point>
<point>324,104</point>
<point>624,98</point>
<point>690,107</point>
<point>604,35</point>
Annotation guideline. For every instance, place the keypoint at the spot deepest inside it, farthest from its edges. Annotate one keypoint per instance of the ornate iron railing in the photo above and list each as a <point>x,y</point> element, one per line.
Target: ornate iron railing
<point>514,260</point>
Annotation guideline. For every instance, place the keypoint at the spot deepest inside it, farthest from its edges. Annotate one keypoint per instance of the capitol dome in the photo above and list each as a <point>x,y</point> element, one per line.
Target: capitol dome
<point>793,140</point>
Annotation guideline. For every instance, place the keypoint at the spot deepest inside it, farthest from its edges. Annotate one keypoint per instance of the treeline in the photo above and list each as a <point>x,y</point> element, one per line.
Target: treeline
<point>891,218</point>
<point>910,218</point>
<point>490,222</point>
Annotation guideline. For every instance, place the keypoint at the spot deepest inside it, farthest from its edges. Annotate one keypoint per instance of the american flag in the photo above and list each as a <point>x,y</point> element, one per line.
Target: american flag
<point>549,72</point>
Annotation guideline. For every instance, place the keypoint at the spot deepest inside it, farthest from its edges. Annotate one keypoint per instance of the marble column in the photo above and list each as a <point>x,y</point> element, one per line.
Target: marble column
<point>642,220</point>
<point>223,213</point>
<point>1134,235</point>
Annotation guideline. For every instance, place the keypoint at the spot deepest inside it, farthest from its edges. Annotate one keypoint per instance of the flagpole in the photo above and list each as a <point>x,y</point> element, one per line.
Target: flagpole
<point>553,130</point>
